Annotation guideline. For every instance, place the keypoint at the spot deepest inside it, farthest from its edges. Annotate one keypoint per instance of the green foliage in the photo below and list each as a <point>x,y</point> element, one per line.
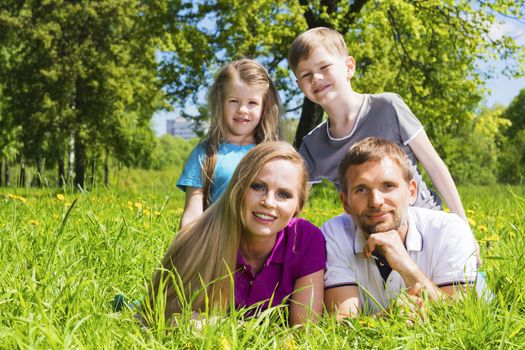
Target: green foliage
<point>171,151</point>
<point>516,114</point>
<point>61,272</point>
<point>473,153</point>
<point>427,51</point>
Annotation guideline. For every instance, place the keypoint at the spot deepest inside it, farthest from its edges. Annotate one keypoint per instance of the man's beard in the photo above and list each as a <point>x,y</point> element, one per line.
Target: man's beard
<point>393,224</point>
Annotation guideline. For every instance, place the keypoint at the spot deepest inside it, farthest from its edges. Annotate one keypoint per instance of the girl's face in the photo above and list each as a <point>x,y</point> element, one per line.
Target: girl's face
<point>242,109</point>
<point>272,199</point>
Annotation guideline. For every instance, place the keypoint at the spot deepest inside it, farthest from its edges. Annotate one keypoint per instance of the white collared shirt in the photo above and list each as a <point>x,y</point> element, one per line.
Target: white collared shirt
<point>441,245</point>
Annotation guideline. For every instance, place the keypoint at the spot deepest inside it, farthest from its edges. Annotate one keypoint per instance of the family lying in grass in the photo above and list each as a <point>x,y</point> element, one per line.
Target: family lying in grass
<point>244,191</point>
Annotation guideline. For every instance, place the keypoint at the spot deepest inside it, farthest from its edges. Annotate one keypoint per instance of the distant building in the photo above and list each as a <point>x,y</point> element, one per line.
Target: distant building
<point>180,127</point>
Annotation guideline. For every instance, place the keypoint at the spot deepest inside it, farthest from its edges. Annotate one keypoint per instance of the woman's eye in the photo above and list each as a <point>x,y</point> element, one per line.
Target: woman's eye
<point>284,195</point>
<point>257,187</point>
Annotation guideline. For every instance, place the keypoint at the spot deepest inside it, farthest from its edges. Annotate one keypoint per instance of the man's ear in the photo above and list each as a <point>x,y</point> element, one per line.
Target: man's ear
<point>344,200</point>
<point>350,67</point>
<point>412,187</point>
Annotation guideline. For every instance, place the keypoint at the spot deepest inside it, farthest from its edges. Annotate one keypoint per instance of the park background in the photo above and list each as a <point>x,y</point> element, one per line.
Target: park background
<point>88,197</point>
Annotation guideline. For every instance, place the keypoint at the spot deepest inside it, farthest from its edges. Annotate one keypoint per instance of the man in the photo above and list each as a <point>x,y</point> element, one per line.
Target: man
<point>381,246</point>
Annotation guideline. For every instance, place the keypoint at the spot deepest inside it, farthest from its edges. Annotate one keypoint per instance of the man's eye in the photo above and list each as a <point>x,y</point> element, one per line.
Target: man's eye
<point>257,187</point>
<point>360,190</point>
<point>390,186</point>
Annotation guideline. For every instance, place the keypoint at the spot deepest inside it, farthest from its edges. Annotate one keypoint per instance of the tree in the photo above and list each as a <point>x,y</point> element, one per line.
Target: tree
<point>427,51</point>
<point>84,71</point>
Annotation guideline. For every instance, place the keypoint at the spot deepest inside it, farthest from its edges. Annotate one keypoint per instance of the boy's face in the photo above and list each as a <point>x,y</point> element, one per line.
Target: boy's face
<point>324,75</point>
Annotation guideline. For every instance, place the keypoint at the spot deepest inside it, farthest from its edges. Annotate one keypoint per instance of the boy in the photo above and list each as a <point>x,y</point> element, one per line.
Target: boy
<point>320,61</point>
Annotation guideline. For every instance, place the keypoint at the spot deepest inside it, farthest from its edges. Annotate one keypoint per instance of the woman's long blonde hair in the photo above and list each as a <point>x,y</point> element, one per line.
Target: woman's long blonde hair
<point>205,250</point>
<point>251,73</point>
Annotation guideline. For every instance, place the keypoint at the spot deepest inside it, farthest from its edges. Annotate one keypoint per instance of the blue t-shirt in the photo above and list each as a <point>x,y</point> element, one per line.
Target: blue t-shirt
<point>228,157</point>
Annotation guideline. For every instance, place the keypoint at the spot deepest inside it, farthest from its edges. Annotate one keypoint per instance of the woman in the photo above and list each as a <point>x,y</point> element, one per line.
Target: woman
<point>252,233</point>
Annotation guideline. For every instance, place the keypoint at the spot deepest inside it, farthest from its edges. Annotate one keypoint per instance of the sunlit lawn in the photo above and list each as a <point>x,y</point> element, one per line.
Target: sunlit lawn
<point>64,255</point>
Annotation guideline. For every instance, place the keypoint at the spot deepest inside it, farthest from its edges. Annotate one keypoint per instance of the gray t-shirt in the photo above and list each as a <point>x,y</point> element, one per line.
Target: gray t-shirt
<point>383,115</point>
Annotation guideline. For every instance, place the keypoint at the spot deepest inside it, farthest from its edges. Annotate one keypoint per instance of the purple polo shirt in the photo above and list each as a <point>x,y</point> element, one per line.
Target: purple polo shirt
<point>299,251</point>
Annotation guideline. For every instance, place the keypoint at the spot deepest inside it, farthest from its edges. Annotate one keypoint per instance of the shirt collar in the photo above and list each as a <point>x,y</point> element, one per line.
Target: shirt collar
<point>276,255</point>
<point>414,240</point>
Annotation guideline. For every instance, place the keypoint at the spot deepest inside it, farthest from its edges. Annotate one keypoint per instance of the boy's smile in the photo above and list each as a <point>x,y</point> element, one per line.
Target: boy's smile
<point>323,75</point>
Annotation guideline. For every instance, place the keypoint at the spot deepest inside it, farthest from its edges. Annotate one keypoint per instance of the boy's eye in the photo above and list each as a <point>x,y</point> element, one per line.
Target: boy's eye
<point>305,75</point>
<point>325,66</point>
<point>257,187</point>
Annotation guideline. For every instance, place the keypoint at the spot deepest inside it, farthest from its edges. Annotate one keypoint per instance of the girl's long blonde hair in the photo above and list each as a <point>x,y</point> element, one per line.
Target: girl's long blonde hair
<point>205,250</point>
<point>251,73</point>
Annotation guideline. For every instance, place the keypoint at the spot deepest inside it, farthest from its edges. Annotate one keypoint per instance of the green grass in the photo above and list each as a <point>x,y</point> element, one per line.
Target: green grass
<point>64,256</point>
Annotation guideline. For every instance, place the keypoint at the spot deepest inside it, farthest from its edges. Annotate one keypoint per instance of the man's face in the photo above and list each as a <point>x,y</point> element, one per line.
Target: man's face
<point>377,195</point>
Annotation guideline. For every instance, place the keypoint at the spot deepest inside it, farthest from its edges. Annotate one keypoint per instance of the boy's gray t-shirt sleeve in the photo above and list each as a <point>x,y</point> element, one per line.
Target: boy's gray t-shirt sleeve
<point>309,161</point>
<point>409,125</point>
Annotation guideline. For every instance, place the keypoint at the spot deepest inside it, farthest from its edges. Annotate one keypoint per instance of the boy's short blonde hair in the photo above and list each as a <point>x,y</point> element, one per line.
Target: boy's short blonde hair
<point>303,46</point>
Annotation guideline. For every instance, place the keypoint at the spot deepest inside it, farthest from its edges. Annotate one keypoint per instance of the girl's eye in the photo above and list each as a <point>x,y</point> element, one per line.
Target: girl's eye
<point>255,103</point>
<point>325,66</point>
<point>284,195</point>
<point>233,100</point>
<point>257,187</point>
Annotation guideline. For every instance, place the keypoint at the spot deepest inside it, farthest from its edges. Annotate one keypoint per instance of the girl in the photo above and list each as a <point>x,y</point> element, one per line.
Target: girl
<point>252,233</point>
<point>244,111</point>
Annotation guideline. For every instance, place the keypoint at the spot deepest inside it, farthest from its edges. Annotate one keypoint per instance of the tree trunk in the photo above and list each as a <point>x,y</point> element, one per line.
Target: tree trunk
<point>80,164</point>
<point>22,178</point>
<point>6,173</point>
<point>61,174</point>
<point>38,171</point>
<point>70,160</point>
<point>106,168</point>
<point>311,115</point>
<point>92,177</point>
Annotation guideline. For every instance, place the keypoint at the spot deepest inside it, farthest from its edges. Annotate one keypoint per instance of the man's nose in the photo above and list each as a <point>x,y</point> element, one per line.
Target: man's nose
<point>375,199</point>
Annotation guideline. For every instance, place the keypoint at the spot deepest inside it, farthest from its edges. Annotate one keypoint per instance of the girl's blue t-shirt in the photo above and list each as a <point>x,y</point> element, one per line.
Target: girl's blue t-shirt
<point>228,157</point>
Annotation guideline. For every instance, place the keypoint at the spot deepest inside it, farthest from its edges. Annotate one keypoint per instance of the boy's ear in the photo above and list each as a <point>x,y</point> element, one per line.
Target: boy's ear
<point>350,66</point>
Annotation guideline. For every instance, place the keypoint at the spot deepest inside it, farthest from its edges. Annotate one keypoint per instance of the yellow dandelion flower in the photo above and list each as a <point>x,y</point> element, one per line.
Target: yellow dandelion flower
<point>60,197</point>
<point>33,222</point>
<point>290,344</point>
<point>11,196</point>
<point>470,212</point>
<point>471,222</point>
<point>22,199</point>
<point>225,344</point>
<point>491,238</point>
<point>157,213</point>
<point>483,228</point>
<point>138,205</point>
<point>129,204</point>
<point>147,212</point>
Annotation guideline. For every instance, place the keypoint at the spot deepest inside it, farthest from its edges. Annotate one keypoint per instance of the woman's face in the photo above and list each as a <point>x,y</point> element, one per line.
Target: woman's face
<point>272,199</point>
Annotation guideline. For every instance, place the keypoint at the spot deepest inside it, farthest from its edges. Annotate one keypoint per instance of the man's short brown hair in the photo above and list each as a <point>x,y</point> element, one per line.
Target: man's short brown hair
<point>374,148</point>
<point>303,46</point>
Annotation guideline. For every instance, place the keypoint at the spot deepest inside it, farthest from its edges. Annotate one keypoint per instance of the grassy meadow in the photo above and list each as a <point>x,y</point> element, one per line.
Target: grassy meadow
<point>64,255</point>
